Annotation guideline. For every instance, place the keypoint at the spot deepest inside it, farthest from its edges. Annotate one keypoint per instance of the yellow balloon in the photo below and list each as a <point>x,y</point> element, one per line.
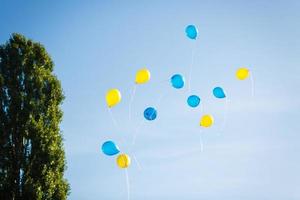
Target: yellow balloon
<point>242,73</point>
<point>206,121</point>
<point>113,97</point>
<point>142,76</point>
<point>123,161</point>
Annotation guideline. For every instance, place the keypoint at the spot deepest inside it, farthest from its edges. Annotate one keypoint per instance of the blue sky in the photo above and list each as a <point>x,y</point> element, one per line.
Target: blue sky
<point>97,45</point>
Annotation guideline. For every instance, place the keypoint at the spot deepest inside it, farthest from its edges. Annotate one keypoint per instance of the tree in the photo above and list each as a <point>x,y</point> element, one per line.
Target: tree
<point>32,158</point>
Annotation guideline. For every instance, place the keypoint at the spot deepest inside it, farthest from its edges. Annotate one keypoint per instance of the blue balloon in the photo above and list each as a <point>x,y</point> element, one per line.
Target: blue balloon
<point>150,113</point>
<point>109,148</point>
<point>177,81</point>
<point>219,92</point>
<point>193,101</point>
<point>191,32</point>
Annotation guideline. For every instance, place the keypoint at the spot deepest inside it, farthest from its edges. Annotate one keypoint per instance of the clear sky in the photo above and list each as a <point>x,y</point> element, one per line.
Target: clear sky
<point>97,45</point>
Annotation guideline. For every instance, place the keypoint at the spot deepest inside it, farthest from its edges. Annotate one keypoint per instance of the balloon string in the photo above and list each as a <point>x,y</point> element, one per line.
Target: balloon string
<point>131,101</point>
<point>252,85</point>
<point>201,142</point>
<point>225,115</point>
<point>115,123</point>
<point>137,162</point>
<point>142,122</point>
<point>136,133</point>
<point>191,67</point>
<point>113,119</point>
<point>127,184</point>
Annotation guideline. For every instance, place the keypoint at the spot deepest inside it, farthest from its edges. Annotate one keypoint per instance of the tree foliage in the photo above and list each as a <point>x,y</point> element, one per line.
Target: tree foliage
<point>32,158</point>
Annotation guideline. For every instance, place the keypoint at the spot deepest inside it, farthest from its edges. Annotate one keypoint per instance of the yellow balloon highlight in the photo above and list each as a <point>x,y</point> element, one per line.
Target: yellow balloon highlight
<point>142,76</point>
<point>242,73</point>
<point>206,121</point>
<point>113,97</point>
<point>123,161</point>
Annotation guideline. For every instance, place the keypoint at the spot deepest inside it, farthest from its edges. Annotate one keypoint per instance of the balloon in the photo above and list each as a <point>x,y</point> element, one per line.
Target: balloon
<point>219,92</point>
<point>242,73</point>
<point>113,97</point>
<point>109,148</point>
<point>191,32</point>
<point>206,121</point>
<point>142,76</point>
<point>123,161</point>
<point>150,113</point>
<point>177,81</point>
<point>193,101</point>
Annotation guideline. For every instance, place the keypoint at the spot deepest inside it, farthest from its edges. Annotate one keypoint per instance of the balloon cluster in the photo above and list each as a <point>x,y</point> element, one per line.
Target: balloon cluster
<point>109,148</point>
<point>177,81</point>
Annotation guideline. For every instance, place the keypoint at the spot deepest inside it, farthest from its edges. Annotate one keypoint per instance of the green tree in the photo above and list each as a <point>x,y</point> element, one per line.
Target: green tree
<point>32,158</point>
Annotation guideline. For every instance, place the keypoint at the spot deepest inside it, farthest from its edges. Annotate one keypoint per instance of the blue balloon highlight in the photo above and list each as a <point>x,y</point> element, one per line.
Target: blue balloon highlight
<point>219,92</point>
<point>110,148</point>
<point>193,101</point>
<point>191,32</point>
<point>150,113</point>
<point>177,81</point>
